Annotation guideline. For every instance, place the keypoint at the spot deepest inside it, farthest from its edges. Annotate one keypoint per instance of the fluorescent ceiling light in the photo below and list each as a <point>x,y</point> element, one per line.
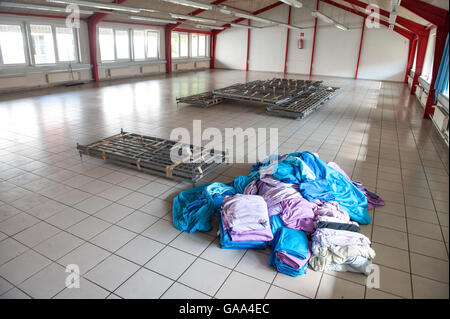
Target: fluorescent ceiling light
<point>192,4</point>
<point>38,7</point>
<point>147,10</point>
<point>340,26</point>
<point>294,3</point>
<point>251,17</point>
<point>98,5</point>
<point>322,17</point>
<point>225,10</point>
<point>237,25</point>
<point>392,17</point>
<point>202,26</point>
<point>151,19</point>
<point>327,19</point>
<point>193,18</point>
<point>290,26</point>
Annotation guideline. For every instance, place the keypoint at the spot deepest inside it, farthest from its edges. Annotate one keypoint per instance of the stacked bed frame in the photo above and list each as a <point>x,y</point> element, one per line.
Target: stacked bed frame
<point>282,97</point>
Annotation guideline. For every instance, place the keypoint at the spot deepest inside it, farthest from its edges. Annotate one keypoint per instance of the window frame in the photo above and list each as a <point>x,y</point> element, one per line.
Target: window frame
<point>181,57</point>
<point>76,54</point>
<point>206,45</point>
<point>76,45</point>
<point>23,32</point>
<point>158,42</point>
<point>176,57</point>
<point>116,59</point>
<point>99,46</point>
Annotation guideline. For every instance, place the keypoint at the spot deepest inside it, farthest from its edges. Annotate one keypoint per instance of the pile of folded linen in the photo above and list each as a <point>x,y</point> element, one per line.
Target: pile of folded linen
<point>290,251</point>
<point>341,250</point>
<point>285,200</point>
<point>306,210</point>
<point>245,218</point>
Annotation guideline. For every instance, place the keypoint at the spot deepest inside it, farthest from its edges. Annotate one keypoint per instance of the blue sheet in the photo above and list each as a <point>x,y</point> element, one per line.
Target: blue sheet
<point>317,180</point>
<point>275,224</point>
<point>193,209</point>
<point>293,242</point>
<point>227,243</point>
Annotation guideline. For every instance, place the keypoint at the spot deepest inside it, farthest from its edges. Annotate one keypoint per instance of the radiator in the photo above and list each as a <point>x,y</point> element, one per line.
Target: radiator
<point>150,69</point>
<point>63,77</point>
<point>419,91</point>
<point>410,80</point>
<point>12,82</point>
<point>423,98</point>
<point>186,66</point>
<point>123,72</point>
<point>440,118</point>
<point>202,64</point>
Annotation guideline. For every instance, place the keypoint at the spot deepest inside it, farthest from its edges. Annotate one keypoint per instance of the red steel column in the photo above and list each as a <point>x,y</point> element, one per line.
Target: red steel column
<point>441,35</point>
<point>168,45</point>
<point>314,41</point>
<point>421,50</point>
<point>411,54</point>
<point>360,48</point>
<point>287,41</point>
<point>93,21</point>
<point>248,47</point>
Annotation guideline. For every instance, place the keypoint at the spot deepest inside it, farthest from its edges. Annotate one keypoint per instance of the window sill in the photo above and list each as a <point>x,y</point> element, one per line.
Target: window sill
<point>121,64</point>
<point>54,68</point>
<point>183,60</point>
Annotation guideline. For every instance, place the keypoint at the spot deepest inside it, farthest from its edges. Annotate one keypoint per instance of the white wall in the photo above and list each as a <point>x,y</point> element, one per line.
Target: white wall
<point>383,56</point>
<point>231,58</point>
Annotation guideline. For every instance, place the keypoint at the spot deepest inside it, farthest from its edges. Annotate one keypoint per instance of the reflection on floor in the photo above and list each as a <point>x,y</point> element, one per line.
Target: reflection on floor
<point>115,223</point>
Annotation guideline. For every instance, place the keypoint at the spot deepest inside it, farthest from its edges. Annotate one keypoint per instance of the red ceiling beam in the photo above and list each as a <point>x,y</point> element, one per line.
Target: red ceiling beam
<point>404,32</point>
<point>406,23</point>
<point>198,11</point>
<point>267,8</point>
<point>433,14</point>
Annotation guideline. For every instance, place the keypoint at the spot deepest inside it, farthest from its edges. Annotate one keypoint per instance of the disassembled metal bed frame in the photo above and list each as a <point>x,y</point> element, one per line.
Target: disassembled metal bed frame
<point>153,155</point>
<point>282,97</point>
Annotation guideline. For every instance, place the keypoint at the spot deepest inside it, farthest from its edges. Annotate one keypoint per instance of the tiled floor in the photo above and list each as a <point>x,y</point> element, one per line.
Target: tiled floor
<point>115,224</point>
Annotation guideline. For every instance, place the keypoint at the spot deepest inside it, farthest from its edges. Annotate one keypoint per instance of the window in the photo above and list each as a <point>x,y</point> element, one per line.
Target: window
<point>194,44</point>
<point>184,45</point>
<point>43,47</point>
<point>106,40</point>
<point>175,44</point>
<point>180,45</point>
<point>65,43</point>
<point>145,44</point>
<point>11,44</point>
<point>198,45</point>
<point>122,44</point>
<point>139,44</point>
<point>152,44</point>
<point>201,45</point>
